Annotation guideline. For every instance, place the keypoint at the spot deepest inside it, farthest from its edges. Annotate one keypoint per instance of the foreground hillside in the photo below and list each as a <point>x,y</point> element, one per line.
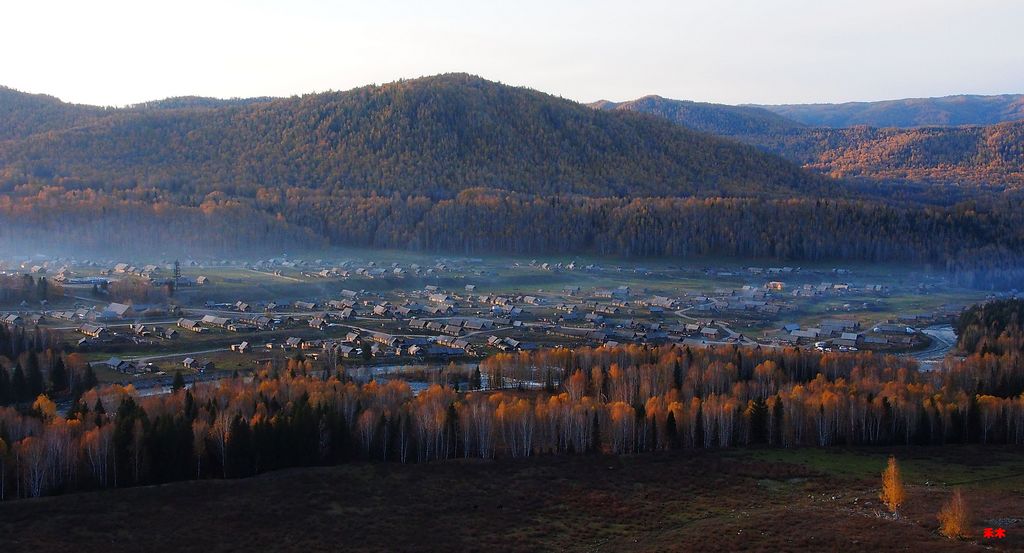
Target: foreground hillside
<point>804,500</point>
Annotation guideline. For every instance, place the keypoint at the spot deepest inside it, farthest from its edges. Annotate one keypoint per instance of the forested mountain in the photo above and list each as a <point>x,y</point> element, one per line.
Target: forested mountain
<point>186,102</point>
<point>910,112</point>
<point>990,155</point>
<point>981,156</point>
<point>457,163</point>
<point>23,115</point>
<point>718,119</point>
<point>434,136</point>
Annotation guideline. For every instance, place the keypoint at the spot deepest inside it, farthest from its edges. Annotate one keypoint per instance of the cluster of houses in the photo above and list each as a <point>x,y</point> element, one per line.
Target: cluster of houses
<point>112,312</point>
<point>123,366</point>
<point>376,344</point>
<point>847,335</point>
<point>320,268</point>
<point>146,271</point>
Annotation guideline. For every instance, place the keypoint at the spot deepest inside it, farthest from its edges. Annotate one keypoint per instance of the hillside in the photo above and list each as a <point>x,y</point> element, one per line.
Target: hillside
<point>910,112</point>
<point>980,156</point>
<point>704,500</point>
<point>717,119</point>
<point>990,155</point>
<point>22,115</point>
<point>458,163</point>
<point>188,102</point>
<point>434,136</point>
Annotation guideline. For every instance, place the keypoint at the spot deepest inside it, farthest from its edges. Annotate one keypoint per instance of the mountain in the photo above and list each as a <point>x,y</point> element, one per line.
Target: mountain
<point>434,136</point>
<point>979,155</point>
<point>910,112</point>
<point>22,115</point>
<point>717,119</point>
<point>187,102</point>
<point>456,163</point>
<point>975,155</point>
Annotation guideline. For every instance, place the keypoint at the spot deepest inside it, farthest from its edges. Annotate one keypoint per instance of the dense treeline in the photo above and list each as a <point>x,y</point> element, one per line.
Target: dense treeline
<point>29,289</point>
<point>984,243</point>
<point>143,222</point>
<point>33,361</point>
<point>612,400</point>
<point>996,327</point>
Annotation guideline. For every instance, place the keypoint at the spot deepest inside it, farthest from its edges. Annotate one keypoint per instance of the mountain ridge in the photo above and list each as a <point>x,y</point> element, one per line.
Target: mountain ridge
<point>954,110</point>
<point>437,135</point>
<point>979,155</point>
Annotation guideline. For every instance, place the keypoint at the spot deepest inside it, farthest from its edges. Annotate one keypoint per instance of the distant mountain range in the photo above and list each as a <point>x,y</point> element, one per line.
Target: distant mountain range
<point>718,119</point>
<point>909,112</point>
<point>987,148</point>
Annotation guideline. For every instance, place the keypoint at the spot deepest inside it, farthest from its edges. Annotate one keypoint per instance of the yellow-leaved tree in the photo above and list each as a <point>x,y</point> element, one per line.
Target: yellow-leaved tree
<point>954,517</point>
<point>892,494</point>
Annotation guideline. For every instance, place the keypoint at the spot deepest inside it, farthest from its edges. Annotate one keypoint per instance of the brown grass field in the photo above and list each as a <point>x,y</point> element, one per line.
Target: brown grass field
<point>741,500</point>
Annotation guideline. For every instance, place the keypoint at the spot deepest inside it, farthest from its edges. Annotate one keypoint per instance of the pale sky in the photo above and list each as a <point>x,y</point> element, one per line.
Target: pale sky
<point>114,52</point>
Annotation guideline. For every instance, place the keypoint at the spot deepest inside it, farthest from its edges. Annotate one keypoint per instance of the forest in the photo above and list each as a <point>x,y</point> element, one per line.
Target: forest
<point>982,243</point>
<point>613,400</point>
<point>964,109</point>
<point>434,136</point>
<point>981,155</point>
<point>455,163</point>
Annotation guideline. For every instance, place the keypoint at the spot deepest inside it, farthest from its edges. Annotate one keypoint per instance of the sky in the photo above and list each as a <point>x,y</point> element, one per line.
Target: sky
<point>118,52</point>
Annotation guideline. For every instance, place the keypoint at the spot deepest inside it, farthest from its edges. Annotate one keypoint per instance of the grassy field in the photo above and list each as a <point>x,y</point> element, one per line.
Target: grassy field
<point>742,500</point>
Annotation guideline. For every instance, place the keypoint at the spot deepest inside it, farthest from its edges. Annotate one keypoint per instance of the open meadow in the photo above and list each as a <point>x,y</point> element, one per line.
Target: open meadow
<point>740,500</point>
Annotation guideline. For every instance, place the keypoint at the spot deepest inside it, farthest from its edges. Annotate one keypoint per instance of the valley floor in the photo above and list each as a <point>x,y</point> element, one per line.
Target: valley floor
<point>741,500</point>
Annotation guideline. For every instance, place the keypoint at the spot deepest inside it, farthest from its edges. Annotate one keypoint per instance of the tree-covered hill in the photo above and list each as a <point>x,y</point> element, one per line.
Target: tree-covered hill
<point>22,115</point>
<point>458,163</point>
<point>979,155</point>
<point>717,119</point>
<point>909,112</point>
<point>434,136</point>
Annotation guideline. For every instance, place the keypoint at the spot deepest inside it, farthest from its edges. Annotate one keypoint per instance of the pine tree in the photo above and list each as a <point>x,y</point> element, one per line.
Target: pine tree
<point>89,380</point>
<point>671,431</point>
<point>58,376</point>
<point>5,387</point>
<point>178,383</point>
<point>19,386</point>
<point>33,375</point>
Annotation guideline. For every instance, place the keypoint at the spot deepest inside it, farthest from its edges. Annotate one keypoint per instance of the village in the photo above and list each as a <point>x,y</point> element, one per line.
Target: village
<point>209,317</point>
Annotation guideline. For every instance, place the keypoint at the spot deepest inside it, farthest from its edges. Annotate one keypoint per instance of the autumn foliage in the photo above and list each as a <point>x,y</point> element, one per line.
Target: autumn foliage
<point>955,517</point>
<point>619,400</point>
<point>893,494</point>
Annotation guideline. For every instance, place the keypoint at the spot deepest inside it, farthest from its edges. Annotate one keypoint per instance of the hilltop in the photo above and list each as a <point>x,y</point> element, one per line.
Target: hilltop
<point>718,119</point>
<point>435,136</point>
<point>908,112</point>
